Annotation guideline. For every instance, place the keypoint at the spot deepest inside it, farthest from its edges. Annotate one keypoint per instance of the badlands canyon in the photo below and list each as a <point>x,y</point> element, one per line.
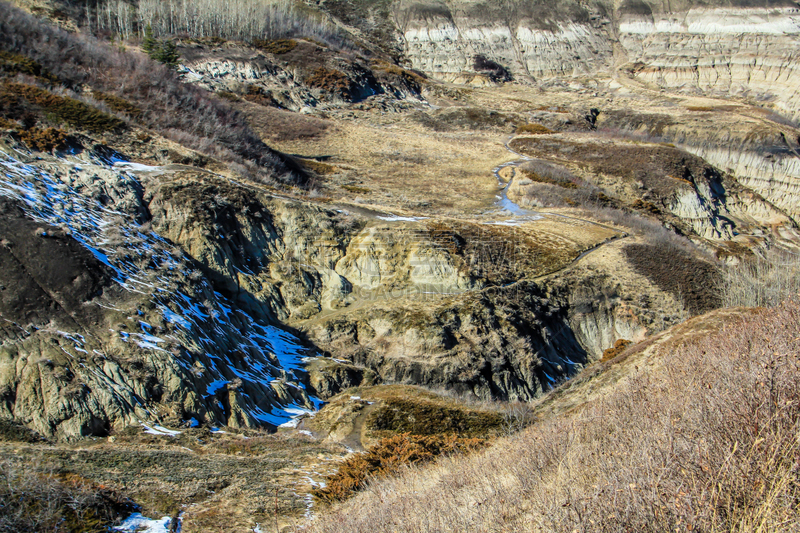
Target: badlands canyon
<point>259,255</point>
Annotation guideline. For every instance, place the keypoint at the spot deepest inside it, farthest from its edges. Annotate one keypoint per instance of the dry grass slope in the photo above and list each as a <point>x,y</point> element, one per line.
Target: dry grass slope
<point>700,436</point>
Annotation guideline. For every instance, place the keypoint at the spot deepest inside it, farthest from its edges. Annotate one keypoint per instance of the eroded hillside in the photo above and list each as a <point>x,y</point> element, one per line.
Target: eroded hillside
<point>215,224</point>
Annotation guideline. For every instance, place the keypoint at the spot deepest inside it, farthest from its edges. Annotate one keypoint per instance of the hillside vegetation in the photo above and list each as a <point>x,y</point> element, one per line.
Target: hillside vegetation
<point>243,20</point>
<point>51,70</point>
<point>700,434</point>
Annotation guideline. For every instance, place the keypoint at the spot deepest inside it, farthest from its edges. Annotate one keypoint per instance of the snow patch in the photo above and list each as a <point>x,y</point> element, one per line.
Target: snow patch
<point>397,218</point>
<point>137,523</point>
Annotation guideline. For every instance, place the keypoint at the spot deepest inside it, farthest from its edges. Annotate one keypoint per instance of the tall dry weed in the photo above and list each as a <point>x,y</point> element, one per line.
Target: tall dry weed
<point>763,280</point>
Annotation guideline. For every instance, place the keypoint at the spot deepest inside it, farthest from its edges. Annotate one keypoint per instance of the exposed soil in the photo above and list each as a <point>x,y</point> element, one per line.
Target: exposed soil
<point>36,291</point>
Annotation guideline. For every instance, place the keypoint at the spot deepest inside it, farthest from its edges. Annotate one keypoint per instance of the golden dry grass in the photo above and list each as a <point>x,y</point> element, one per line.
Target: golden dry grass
<point>405,166</point>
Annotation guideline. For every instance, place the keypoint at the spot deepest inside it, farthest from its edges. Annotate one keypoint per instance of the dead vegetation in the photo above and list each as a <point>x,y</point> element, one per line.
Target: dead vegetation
<point>619,346</point>
<point>533,129</point>
<point>679,272</point>
<point>389,456</point>
<point>659,168</point>
<point>46,500</point>
<point>44,140</point>
<point>62,109</point>
<point>124,83</point>
<point>331,80</point>
<point>761,280</point>
<point>235,478</point>
<point>275,46</point>
<point>704,439</point>
<point>466,118</point>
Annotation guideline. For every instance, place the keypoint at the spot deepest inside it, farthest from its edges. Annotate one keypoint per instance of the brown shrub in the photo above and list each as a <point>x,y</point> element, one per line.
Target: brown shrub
<point>259,96</point>
<point>281,125</point>
<point>644,205</point>
<point>322,169</point>
<point>275,46</point>
<point>355,189</point>
<point>227,95</point>
<point>679,272</point>
<point>661,169</point>
<point>388,456</point>
<point>615,350</point>
<point>761,280</point>
<point>533,176</point>
<point>42,501</point>
<point>331,80</point>
<point>533,129</point>
<point>44,140</point>
<point>117,104</point>
<point>69,110</point>
<point>11,63</point>
<point>703,437</point>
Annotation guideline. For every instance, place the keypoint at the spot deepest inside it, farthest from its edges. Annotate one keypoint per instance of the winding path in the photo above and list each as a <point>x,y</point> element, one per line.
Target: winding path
<point>523,214</point>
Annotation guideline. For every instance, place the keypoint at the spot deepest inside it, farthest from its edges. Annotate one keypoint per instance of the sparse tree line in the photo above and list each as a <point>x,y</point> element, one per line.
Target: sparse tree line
<point>241,20</point>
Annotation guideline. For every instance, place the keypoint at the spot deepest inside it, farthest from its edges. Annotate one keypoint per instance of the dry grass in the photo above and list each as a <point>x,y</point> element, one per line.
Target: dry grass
<point>702,439</point>
<point>404,166</point>
<point>34,501</point>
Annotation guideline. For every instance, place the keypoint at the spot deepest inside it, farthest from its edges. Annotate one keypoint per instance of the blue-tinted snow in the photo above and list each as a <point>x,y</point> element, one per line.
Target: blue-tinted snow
<point>271,353</point>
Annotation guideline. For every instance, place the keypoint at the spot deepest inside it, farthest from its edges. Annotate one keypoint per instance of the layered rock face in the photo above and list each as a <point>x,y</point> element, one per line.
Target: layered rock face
<point>182,280</point>
<point>741,52</point>
<point>445,44</point>
<point>750,53</point>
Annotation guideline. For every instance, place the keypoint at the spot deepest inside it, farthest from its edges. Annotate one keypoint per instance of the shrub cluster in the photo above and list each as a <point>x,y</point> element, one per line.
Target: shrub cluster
<point>181,112</point>
<point>678,272</point>
<point>19,64</point>
<point>331,80</point>
<point>275,46</point>
<point>65,109</point>
<point>64,503</point>
<point>259,96</point>
<point>615,350</point>
<point>117,104</point>
<point>763,280</point>
<point>389,456</point>
<point>533,129</point>
<point>44,140</point>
